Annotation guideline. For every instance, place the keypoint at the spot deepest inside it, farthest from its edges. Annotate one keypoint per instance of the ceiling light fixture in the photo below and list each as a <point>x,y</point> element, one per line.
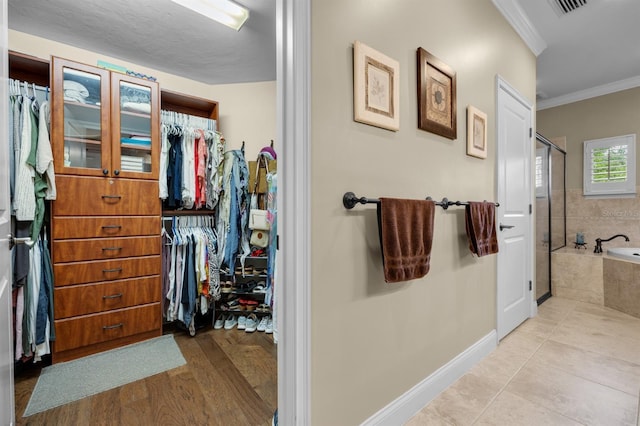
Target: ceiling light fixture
<point>224,11</point>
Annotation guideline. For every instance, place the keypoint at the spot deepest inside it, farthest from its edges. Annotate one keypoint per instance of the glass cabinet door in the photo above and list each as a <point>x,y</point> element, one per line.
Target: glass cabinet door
<point>135,127</point>
<point>80,111</point>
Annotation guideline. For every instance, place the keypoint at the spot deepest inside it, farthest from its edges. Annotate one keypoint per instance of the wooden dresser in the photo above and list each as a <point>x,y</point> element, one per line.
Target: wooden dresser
<point>106,220</point>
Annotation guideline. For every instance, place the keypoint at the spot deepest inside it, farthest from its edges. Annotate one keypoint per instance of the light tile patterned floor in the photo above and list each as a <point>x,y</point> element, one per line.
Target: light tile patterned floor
<point>573,364</point>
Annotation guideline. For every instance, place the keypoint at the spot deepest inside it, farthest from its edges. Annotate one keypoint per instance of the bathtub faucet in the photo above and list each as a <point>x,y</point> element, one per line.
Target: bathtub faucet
<point>599,242</point>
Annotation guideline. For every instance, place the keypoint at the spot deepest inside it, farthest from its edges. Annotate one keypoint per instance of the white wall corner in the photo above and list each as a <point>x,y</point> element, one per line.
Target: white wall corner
<point>411,402</point>
<point>520,22</point>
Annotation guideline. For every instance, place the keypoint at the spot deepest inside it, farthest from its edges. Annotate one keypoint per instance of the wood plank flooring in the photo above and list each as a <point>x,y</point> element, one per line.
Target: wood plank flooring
<point>230,379</point>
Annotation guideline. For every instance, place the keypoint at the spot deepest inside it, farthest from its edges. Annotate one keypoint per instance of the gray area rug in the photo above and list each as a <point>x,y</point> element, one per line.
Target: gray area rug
<point>70,381</point>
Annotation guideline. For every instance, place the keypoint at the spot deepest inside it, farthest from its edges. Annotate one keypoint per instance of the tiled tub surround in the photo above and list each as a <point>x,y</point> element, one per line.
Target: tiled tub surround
<point>622,286</point>
<point>595,278</point>
<point>577,274</point>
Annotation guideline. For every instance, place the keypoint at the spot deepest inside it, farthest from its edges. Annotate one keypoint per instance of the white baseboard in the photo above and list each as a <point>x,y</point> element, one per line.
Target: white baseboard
<point>406,406</point>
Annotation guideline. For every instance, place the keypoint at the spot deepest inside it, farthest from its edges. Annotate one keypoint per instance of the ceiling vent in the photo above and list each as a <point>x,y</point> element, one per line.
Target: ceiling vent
<point>563,7</point>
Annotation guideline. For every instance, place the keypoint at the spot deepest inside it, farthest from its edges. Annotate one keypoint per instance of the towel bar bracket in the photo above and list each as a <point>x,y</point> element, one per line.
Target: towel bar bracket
<point>349,200</point>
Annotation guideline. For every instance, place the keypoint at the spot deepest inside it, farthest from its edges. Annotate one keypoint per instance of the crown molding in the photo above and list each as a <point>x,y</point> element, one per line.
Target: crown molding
<point>520,22</point>
<point>581,95</point>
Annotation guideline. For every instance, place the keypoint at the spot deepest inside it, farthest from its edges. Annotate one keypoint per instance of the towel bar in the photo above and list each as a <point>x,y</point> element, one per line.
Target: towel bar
<point>349,201</point>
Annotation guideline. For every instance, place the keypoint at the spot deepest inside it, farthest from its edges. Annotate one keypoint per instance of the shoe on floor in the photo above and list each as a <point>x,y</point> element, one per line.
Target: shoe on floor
<point>230,322</point>
<point>251,324</point>
<point>242,322</point>
<point>262,325</point>
<point>269,328</point>
<point>219,322</point>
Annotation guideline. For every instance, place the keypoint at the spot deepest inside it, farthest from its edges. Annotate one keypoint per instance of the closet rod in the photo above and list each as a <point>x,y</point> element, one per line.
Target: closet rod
<point>349,201</point>
<point>34,86</point>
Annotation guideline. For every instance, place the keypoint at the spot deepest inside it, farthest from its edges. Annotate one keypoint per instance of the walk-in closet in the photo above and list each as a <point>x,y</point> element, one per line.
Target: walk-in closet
<point>144,215</point>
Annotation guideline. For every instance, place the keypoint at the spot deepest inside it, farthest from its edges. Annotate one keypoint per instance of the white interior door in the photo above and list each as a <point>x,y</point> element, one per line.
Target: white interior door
<point>515,258</point>
<point>7,410</point>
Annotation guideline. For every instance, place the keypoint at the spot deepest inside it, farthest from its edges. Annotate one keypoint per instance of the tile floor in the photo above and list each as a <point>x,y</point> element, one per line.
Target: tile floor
<point>573,364</point>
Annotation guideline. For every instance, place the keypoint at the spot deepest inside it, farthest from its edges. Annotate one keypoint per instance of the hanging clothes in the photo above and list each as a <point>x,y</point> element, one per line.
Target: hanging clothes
<point>190,159</point>
<point>191,274</point>
<point>32,181</point>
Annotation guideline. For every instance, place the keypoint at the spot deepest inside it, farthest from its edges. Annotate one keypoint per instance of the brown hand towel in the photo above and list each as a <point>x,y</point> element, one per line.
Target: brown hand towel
<point>406,232</point>
<point>481,228</point>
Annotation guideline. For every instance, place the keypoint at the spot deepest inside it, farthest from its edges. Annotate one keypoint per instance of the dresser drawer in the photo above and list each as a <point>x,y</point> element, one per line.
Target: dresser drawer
<point>91,227</point>
<point>93,196</point>
<point>91,329</point>
<point>105,270</point>
<point>104,248</point>
<point>99,297</point>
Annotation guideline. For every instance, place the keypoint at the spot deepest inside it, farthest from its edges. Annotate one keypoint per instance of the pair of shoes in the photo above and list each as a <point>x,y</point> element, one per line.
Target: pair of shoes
<point>262,326</point>
<point>219,322</point>
<point>232,305</point>
<point>263,308</point>
<point>226,287</point>
<point>251,323</point>
<point>269,328</point>
<point>230,322</point>
<point>260,271</point>
<point>245,287</point>
<point>248,270</point>
<point>261,287</point>
<point>242,322</point>
<point>248,304</point>
<point>258,253</point>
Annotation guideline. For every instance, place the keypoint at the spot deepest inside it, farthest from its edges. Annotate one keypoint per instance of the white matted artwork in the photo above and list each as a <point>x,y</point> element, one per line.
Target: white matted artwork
<point>476,132</point>
<point>376,97</point>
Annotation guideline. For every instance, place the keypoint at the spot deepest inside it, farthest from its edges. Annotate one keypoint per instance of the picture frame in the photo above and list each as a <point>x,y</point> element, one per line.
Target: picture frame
<point>476,132</point>
<point>437,111</point>
<point>376,88</point>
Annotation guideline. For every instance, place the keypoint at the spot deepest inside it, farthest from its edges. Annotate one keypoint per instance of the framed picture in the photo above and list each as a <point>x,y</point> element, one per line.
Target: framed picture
<point>376,96</point>
<point>476,132</point>
<point>436,96</point>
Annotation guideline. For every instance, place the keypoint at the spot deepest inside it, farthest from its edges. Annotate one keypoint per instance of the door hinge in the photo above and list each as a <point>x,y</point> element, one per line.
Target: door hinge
<point>530,285</point>
<point>530,132</point>
<point>530,209</point>
<point>277,241</point>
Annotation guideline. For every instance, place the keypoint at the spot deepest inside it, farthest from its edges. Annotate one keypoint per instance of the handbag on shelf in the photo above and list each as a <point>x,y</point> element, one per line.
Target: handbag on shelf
<point>258,220</point>
<point>259,238</point>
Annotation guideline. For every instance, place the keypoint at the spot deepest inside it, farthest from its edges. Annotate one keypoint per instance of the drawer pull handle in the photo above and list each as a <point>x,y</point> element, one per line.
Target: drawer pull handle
<point>111,327</point>
<point>112,227</point>
<point>113,296</point>
<point>112,196</point>
<point>111,248</point>
<point>112,270</point>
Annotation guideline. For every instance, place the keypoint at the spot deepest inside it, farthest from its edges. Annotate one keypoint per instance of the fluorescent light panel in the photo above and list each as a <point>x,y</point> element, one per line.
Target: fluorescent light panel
<point>224,11</point>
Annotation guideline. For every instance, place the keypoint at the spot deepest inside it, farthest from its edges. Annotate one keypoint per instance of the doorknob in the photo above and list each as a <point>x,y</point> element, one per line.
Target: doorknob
<point>13,241</point>
<point>506,226</point>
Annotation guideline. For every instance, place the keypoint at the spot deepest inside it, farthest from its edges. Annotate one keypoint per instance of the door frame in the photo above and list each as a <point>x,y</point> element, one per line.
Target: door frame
<point>503,85</point>
<point>293,320</point>
<point>6,344</point>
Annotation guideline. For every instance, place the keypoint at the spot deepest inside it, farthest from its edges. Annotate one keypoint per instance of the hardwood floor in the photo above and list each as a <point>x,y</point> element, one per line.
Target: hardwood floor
<point>230,379</point>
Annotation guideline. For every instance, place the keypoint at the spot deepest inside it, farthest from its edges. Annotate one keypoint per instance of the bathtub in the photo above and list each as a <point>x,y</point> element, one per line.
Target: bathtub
<point>626,253</point>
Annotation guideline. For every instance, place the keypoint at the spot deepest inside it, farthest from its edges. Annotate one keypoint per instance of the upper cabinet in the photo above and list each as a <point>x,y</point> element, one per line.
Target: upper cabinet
<point>104,123</point>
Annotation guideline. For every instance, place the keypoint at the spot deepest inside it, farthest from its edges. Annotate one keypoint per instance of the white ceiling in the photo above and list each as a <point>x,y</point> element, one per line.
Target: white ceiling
<point>591,51</point>
<point>595,47</point>
<point>159,34</point>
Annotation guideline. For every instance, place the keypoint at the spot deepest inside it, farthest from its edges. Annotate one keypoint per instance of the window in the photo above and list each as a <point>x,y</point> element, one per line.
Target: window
<point>542,172</point>
<point>610,166</point>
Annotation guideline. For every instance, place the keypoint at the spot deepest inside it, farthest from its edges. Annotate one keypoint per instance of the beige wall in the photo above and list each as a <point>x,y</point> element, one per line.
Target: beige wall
<point>604,116</point>
<point>601,117</point>
<point>247,110</point>
<point>371,341</point>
